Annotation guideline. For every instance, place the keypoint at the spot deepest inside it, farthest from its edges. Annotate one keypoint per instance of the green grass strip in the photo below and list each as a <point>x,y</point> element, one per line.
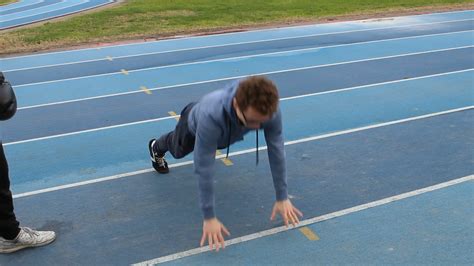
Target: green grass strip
<point>138,19</point>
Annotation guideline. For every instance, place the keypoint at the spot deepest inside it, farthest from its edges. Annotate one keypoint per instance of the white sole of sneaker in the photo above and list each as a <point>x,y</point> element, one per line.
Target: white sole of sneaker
<point>11,250</point>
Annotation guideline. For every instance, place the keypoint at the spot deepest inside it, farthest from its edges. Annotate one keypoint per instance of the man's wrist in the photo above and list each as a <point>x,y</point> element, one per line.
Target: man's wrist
<point>281,195</point>
<point>208,213</point>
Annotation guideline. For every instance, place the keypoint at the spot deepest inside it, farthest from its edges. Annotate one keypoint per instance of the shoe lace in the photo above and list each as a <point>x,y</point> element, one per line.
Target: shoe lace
<point>161,161</point>
<point>30,232</point>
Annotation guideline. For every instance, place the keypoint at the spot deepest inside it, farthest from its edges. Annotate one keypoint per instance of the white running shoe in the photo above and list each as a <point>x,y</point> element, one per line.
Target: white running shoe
<point>25,239</point>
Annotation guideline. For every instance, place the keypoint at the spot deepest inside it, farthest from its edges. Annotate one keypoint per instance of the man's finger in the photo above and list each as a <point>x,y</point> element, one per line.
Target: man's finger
<point>298,212</point>
<point>203,238</point>
<point>291,218</point>
<point>209,238</point>
<point>216,242</point>
<point>221,239</point>
<point>295,218</point>
<point>272,217</point>
<point>285,218</point>
<point>225,230</point>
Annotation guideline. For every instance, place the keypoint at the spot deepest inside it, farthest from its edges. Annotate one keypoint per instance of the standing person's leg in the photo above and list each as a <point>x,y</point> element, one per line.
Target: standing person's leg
<point>12,237</point>
<point>9,226</point>
<point>179,143</point>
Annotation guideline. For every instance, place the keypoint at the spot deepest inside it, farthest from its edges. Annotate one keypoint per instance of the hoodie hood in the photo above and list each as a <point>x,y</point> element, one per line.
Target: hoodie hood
<point>229,95</point>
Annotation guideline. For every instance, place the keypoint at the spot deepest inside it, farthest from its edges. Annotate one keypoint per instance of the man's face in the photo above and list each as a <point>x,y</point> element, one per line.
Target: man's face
<point>250,117</point>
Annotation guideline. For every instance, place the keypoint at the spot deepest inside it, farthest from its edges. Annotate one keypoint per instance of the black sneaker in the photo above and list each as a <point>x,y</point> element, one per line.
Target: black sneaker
<point>158,162</point>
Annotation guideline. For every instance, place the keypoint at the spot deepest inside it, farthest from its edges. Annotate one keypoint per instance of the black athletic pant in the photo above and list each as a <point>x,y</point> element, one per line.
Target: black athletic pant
<point>179,142</point>
<point>9,226</point>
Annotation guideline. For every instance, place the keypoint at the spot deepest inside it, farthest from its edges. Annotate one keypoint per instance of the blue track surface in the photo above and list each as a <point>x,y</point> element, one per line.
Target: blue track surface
<point>355,108</point>
<point>429,20</point>
<point>413,231</point>
<point>146,216</point>
<point>102,66</point>
<point>107,111</point>
<point>371,109</point>
<point>31,11</point>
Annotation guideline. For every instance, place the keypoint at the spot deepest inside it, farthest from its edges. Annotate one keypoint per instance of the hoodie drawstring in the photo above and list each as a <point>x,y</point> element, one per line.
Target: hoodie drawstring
<point>228,142</point>
<point>256,134</point>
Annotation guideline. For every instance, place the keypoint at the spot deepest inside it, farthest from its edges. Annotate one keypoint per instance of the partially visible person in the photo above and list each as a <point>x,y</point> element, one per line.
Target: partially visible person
<point>12,236</point>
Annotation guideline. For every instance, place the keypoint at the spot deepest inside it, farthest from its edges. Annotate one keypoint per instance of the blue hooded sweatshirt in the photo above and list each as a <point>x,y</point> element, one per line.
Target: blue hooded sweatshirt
<point>214,123</point>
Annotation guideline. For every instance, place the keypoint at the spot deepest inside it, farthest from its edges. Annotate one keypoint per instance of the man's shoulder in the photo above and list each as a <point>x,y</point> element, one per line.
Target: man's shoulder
<point>212,103</point>
<point>214,96</point>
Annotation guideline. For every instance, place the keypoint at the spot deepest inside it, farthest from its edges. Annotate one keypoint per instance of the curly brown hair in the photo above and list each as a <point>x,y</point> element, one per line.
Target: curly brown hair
<point>258,92</point>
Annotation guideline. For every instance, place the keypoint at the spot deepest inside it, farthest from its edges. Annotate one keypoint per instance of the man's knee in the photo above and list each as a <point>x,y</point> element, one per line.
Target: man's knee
<point>179,154</point>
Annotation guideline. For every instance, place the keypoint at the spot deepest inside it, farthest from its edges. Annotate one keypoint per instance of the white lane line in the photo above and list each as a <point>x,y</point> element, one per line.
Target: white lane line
<point>249,42</point>
<point>343,132</point>
<point>246,33</point>
<point>307,222</point>
<point>282,99</point>
<point>240,76</point>
<point>89,130</point>
<point>246,57</point>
